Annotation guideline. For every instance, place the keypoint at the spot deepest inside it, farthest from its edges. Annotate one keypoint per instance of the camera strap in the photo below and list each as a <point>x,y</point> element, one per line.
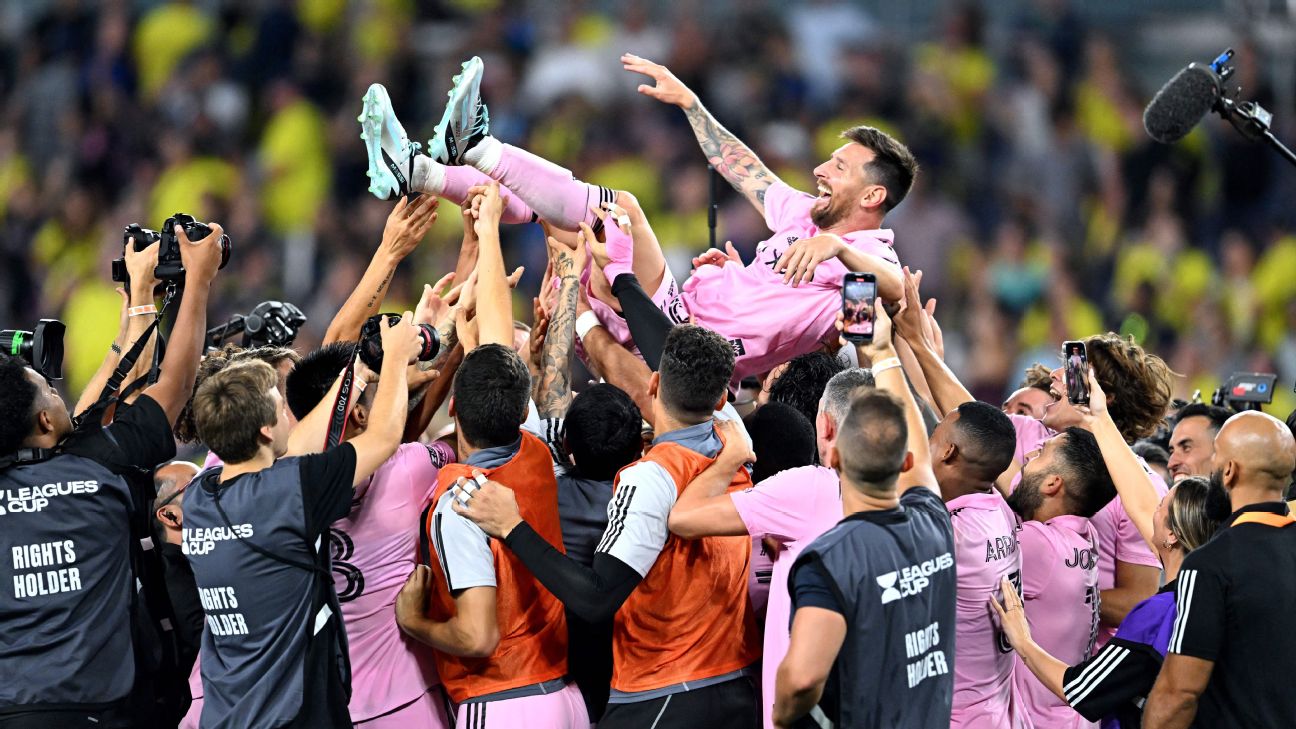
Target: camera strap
<point>347,394</point>
<point>127,361</point>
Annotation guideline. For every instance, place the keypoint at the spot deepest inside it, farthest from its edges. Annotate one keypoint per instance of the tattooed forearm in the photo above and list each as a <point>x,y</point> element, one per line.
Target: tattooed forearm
<point>731,158</point>
<point>382,287</point>
<point>553,389</point>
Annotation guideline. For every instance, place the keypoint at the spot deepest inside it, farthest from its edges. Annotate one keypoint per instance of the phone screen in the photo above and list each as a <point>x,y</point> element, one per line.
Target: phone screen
<point>1076,368</point>
<point>857,306</point>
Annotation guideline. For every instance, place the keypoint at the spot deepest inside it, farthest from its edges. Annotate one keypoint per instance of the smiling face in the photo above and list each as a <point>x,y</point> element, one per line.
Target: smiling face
<point>1028,401</point>
<point>1060,414</point>
<point>1192,446</point>
<point>845,188</point>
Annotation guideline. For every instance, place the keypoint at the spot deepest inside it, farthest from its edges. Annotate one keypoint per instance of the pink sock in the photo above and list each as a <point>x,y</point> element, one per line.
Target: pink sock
<point>457,180</point>
<point>550,190</point>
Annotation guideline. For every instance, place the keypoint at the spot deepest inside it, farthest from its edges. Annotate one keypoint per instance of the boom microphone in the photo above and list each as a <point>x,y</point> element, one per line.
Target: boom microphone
<point>1181,103</point>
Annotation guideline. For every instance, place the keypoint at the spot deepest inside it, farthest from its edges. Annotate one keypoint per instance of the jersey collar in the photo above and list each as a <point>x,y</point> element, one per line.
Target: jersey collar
<point>1273,507</point>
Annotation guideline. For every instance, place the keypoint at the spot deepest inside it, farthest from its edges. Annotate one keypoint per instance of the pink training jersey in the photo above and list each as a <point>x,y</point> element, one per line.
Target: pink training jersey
<point>1060,595</point>
<point>1118,539</point>
<point>985,551</point>
<point>770,322</point>
<point>793,507</point>
<point>374,550</point>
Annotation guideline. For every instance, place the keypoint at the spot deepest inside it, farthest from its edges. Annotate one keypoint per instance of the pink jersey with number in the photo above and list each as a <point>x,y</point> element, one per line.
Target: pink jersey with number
<point>767,321</point>
<point>1118,538</point>
<point>374,550</point>
<point>793,507</point>
<point>985,551</point>
<point>1060,594</point>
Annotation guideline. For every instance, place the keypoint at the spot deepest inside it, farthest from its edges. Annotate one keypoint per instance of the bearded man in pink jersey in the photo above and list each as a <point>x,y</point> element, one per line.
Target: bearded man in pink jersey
<point>782,304</point>
<point>1061,489</point>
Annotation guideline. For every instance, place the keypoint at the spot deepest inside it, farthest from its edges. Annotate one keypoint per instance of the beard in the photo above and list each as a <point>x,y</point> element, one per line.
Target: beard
<point>1217,481</point>
<point>831,214</point>
<point>1027,498</point>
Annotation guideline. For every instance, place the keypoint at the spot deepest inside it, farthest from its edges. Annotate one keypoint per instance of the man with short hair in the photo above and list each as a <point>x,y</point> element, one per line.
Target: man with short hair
<point>682,655</point>
<point>1230,655</point>
<point>1060,490</point>
<point>874,597</point>
<point>969,449</point>
<point>274,651</point>
<point>1192,442</point>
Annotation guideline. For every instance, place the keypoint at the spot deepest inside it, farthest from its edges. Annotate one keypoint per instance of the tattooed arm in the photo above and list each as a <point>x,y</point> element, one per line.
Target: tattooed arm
<point>731,158</point>
<point>405,228</point>
<point>553,388</point>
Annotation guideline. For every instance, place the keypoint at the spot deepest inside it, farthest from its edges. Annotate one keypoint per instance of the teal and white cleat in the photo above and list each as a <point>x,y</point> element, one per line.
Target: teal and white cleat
<point>466,120</point>
<point>391,153</point>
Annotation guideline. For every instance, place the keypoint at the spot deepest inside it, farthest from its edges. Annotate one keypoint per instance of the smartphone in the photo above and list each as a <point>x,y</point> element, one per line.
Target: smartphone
<point>1075,368</point>
<point>859,290</point>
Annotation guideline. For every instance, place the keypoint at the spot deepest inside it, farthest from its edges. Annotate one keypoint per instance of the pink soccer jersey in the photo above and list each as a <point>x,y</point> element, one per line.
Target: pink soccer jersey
<point>767,321</point>
<point>1060,595</point>
<point>374,550</point>
<point>793,507</point>
<point>1118,538</point>
<point>985,550</point>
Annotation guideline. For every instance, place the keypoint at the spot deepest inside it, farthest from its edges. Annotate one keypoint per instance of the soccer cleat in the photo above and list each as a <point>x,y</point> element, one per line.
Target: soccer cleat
<point>465,121</point>
<point>391,153</point>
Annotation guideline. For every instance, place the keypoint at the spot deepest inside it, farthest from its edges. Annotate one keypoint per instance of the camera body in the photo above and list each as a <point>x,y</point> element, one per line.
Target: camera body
<point>370,344</point>
<point>169,265</point>
<point>1245,391</point>
<point>42,348</point>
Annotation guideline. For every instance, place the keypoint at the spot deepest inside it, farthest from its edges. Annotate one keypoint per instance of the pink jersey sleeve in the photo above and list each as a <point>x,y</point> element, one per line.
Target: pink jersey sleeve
<point>776,506</point>
<point>785,206</point>
<point>420,464</point>
<point>1037,559</point>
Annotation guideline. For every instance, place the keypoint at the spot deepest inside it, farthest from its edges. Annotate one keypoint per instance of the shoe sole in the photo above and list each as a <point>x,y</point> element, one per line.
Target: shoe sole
<point>467,85</point>
<point>376,114</point>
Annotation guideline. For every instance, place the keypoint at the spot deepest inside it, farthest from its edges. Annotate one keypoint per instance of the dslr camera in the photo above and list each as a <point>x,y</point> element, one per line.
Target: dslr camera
<point>169,265</point>
<point>371,352</point>
<point>1245,391</point>
<point>42,348</point>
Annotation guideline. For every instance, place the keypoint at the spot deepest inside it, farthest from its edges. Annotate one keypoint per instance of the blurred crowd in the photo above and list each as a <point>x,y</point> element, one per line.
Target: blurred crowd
<point>1042,213</point>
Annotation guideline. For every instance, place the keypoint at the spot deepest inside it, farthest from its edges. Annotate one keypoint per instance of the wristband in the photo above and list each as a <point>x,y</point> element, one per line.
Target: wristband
<point>142,310</point>
<point>886,364</point>
<point>585,322</point>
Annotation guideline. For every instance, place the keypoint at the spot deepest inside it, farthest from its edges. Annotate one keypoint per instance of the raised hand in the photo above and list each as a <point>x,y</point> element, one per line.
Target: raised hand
<point>434,304</point>
<point>407,224</point>
<point>666,88</point>
<point>201,258</point>
<point>717,257</point>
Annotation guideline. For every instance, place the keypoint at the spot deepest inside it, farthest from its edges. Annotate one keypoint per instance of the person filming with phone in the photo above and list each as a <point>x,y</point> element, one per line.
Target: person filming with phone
<point>68,491</point>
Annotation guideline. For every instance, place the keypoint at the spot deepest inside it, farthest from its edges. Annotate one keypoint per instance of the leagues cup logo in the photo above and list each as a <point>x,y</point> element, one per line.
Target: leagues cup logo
<point>887,582</point>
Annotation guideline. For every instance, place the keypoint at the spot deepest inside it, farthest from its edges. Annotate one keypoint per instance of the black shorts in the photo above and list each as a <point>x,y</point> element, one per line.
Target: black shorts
<point>729,705</point>
<point>79,719</point>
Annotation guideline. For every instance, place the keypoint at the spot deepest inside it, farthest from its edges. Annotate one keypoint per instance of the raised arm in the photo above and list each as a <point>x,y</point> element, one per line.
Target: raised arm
<point>201,260</point>
<point>400,343</point>
<point>406,226</point>
<point>946,390</point>
<point>553,393</point>
<point>1133,483</point>
<point>122,342</point>
<point>494,312</point>
<point>731,158</point>
<point>889,375</point>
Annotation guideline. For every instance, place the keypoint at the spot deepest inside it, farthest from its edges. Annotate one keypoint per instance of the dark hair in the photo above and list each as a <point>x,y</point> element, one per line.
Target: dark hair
<point>803,380</point>
<point>873,441</point>
<point>781,437</point>
<point>603,432</point>
<point>1039,377</point>
<point>893,165</point>
<point>491,391</point>
<point>1089,486</point>
<point>18,406</point>
<point>1215,414</point>
<point>1151,453</point>
<point>215,361</point>
<point>696,365</point>
<point>1198,509</point>
<point>311,379</point>
<point>987,439</point>
<point>231,407</point>
<point>1137,383</point>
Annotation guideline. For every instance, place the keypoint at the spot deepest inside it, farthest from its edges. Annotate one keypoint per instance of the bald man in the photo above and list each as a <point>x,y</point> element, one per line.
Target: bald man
<point>168,518</point>
<point>1230,656</point>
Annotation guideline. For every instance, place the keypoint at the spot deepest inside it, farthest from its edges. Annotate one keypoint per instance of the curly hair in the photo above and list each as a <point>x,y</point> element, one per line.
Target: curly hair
<point>185,429</point>
<point>18,406</point>
<point>1137,383</point>
<point>1039,377</point>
